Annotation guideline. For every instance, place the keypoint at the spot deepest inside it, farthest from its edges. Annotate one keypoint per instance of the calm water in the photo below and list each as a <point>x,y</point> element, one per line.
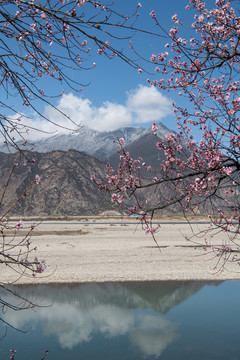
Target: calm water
<point>127,321</point>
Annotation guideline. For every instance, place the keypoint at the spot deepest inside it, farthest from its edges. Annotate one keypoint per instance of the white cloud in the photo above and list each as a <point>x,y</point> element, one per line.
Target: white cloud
<point>110,116</point>
<point>75,324</point>
<point>143,105</point>
<point>148,104</point>
<point>153,335</point>
<point>79,110</point>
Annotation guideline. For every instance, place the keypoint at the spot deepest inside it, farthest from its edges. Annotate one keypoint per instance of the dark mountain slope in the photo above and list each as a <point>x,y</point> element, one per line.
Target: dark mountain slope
<point>65,187</point>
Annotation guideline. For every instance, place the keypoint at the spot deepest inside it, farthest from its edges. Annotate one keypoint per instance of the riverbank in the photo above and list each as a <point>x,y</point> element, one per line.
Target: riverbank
<point>102,250</point>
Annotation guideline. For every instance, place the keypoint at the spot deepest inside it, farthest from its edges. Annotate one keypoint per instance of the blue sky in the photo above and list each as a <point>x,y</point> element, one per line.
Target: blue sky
<point>117,95</point>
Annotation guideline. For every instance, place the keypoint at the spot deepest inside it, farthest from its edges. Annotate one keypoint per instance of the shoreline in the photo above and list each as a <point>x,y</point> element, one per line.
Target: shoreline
<point>120,252</point>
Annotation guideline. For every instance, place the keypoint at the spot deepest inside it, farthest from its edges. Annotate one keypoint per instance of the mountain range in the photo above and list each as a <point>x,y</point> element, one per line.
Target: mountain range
<point>65,187</point>
<point>65,164</point>
<point>98,144</point>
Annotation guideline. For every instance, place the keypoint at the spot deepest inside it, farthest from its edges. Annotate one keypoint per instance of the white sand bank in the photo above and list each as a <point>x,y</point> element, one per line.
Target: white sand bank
<point>120,252</point>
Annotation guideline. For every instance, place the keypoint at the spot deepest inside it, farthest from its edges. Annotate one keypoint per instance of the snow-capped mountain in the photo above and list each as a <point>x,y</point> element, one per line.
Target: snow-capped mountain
<point>91,142</point>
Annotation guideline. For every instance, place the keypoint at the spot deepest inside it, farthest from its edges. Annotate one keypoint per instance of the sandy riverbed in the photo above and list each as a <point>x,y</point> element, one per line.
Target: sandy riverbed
<point>120,252</point>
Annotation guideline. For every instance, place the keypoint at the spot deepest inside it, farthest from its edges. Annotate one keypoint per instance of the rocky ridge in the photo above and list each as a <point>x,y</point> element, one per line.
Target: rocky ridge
<point>65,187</point>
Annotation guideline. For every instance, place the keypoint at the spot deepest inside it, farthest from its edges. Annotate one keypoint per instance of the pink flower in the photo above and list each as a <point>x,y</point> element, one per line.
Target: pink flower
<point>114,197</point>
<point>19,225</point>
<point>150,230</point>
<point>227,170</point>
<point>153,58</point>
<point>65,27</point>
<point>37,179</point>
<point>152,13</point>
<point>154,127</point>
<point>41,266</point>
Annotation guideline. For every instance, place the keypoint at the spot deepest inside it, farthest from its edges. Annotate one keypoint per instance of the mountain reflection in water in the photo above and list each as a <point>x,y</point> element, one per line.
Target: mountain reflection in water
<point>80,314</point>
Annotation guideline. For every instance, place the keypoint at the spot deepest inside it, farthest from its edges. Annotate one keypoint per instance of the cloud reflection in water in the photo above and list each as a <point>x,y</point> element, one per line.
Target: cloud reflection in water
<point>81,312</point>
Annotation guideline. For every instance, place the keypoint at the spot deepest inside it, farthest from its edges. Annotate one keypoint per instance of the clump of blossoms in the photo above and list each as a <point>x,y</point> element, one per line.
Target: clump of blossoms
<point>16,248</point>
<point>124,183</point>
<point>201,66</point>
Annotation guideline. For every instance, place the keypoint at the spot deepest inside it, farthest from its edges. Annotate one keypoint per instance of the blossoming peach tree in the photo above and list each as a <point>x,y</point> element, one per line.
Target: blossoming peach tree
<point>16,253</point>
<point>46,42</point>
<point>200,171</point>
<point>50,42</point>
